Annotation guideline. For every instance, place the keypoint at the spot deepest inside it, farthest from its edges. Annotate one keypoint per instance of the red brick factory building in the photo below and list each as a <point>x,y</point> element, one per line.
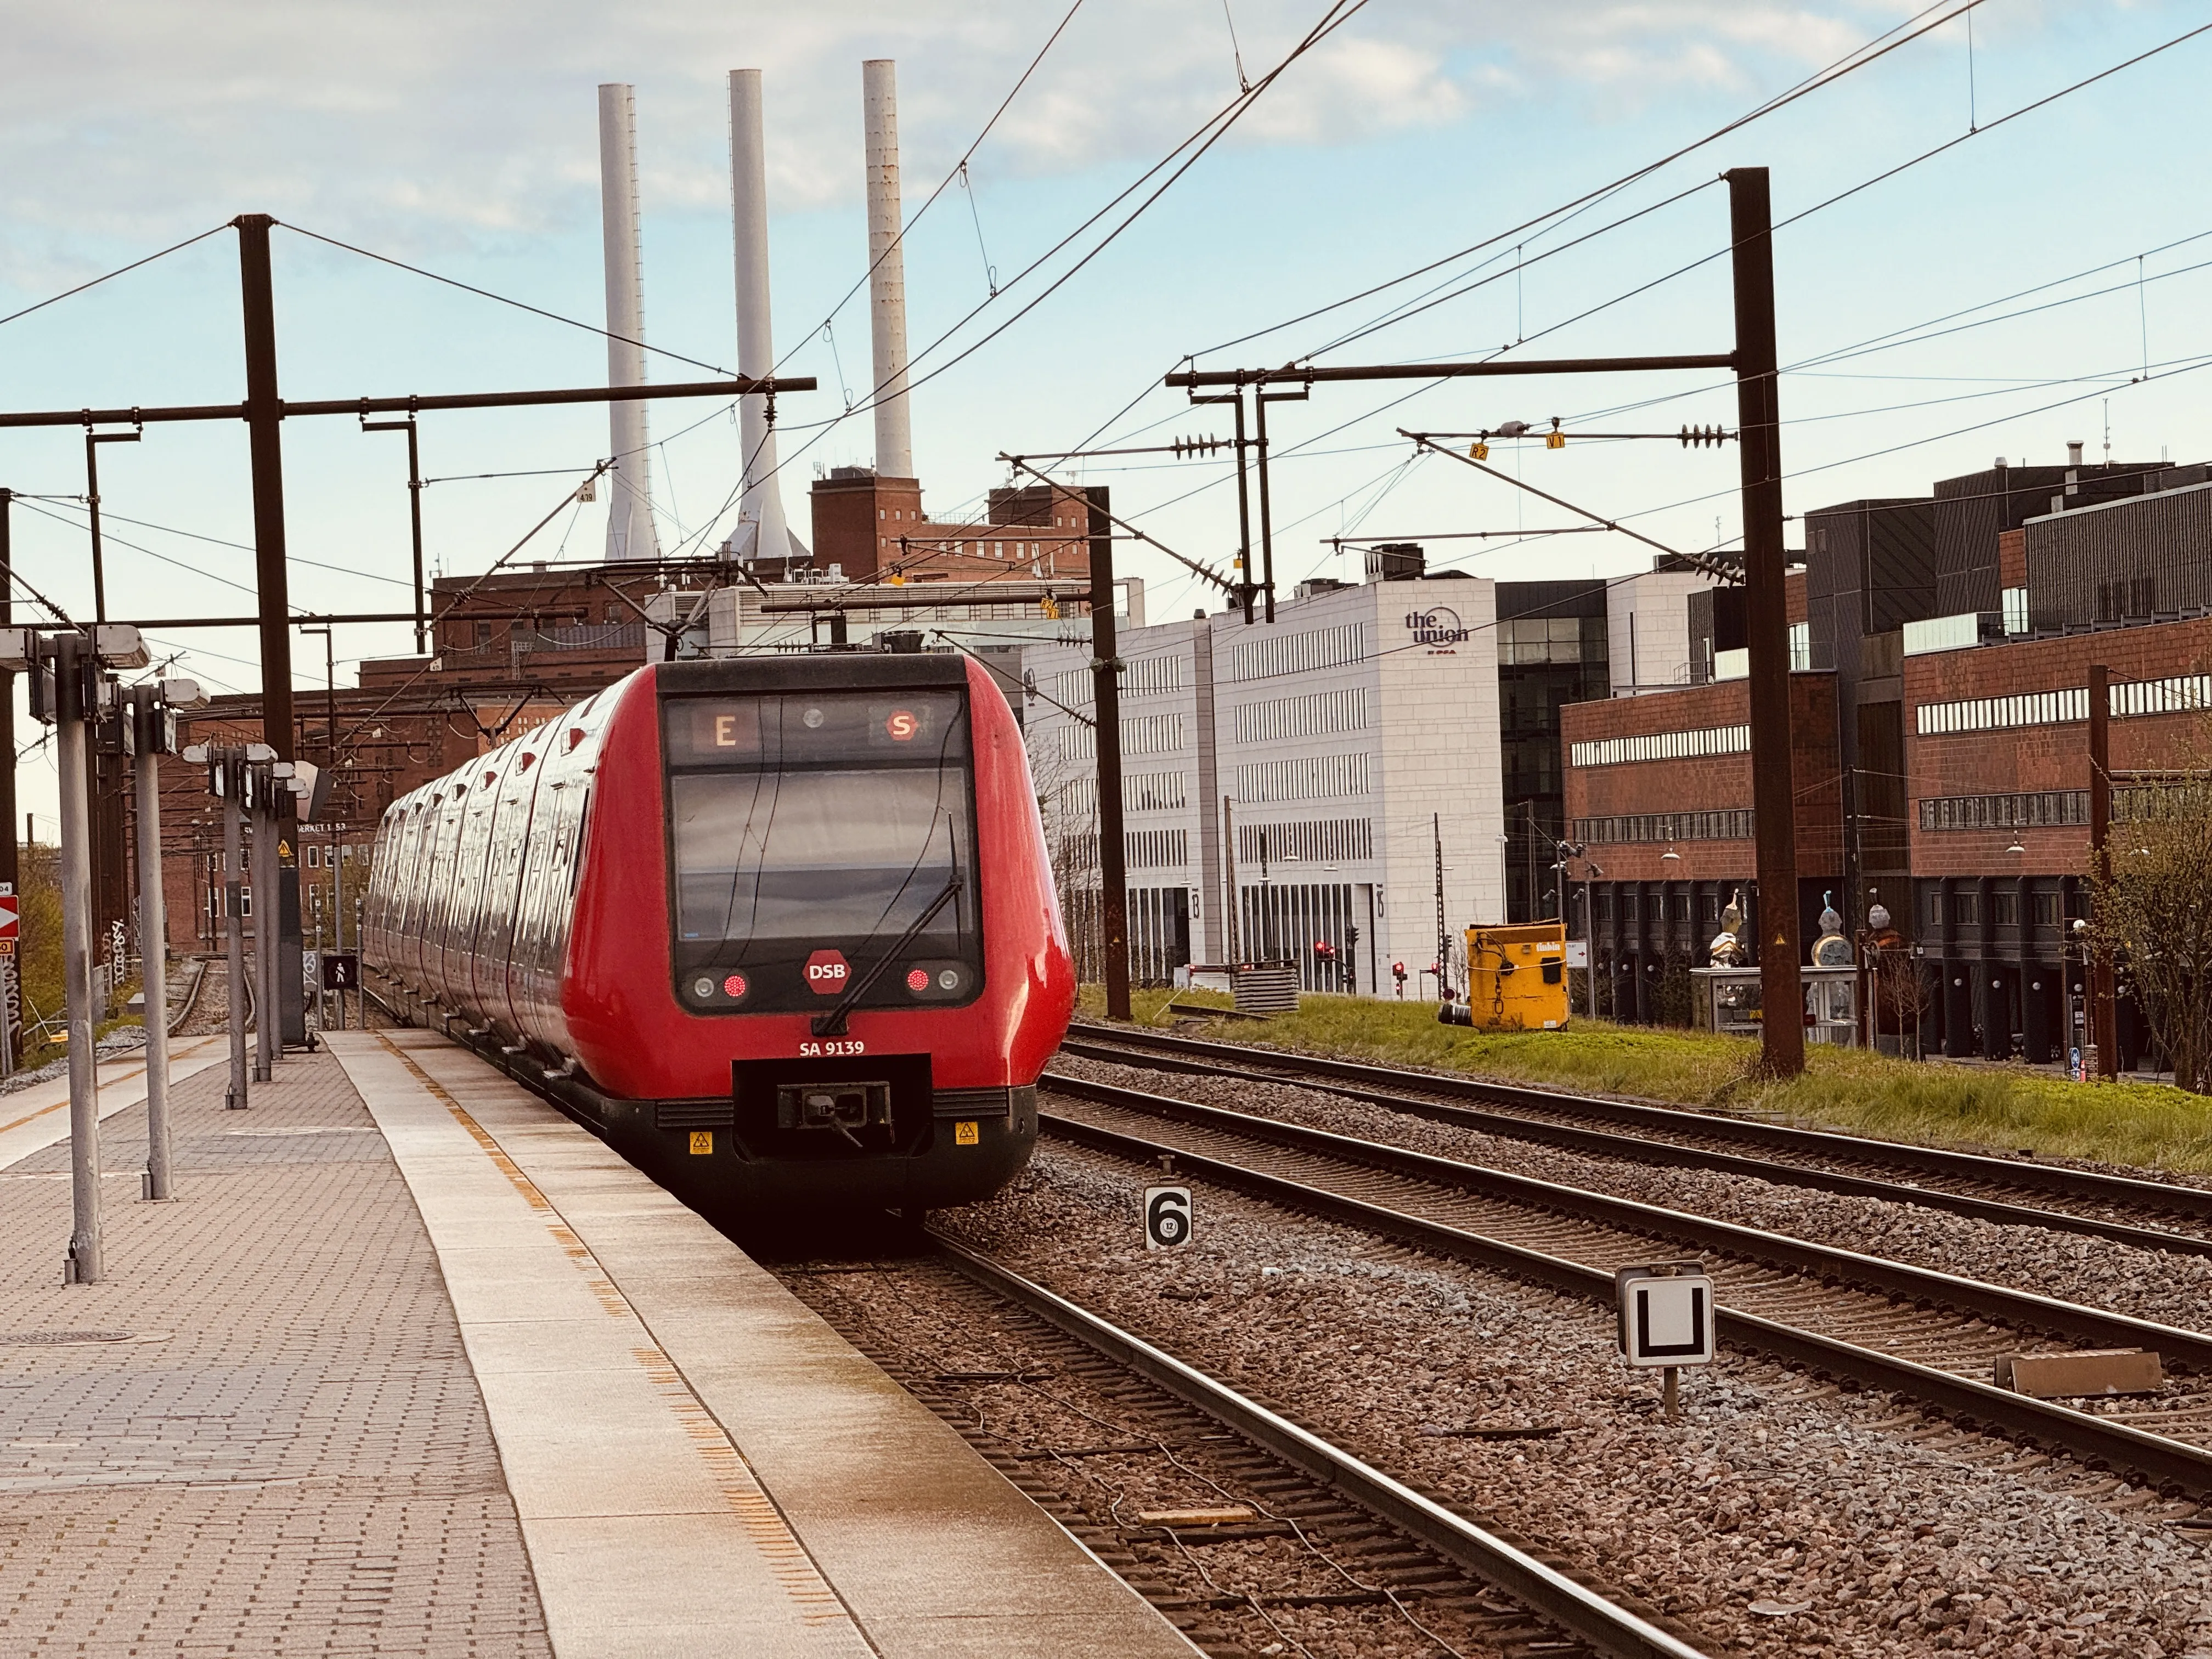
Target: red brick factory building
<point>1941,653</point>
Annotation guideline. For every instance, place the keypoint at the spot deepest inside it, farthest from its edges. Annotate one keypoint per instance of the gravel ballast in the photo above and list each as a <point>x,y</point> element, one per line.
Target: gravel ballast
<point>1780,1516</point>
<point>2173,1289</point>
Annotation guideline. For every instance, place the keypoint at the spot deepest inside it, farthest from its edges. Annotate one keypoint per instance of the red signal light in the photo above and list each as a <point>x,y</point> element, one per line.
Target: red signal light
<point>735,986</point>
<point>917,979</point>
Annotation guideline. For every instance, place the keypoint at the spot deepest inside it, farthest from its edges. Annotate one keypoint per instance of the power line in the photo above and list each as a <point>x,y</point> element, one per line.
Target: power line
<point>1805,213</point>
<point>519,305</point>
<point>1845,65</point>
<point>959,171</point>
<point>118,271</point>
<point>1339,12</point>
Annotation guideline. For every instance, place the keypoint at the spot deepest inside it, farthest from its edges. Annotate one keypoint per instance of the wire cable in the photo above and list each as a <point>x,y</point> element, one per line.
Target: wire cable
<point>519,305</point>
<point>119,270</point>
<point>1863,55</point>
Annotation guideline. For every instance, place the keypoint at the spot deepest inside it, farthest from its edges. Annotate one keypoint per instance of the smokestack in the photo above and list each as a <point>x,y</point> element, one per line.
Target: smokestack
<point>630,534</point>
<point>887,269</point>
<point>761,534</point>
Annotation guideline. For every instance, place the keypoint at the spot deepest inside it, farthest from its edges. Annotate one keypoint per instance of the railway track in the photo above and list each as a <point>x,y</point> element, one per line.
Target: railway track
<point>1864,1322</point>
<point>1091,1420</point>
<point>2149,1215</point>
<point>192,996</point>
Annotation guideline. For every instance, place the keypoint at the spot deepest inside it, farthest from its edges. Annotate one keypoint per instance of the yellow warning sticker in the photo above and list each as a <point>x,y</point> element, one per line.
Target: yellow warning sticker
<point>964,1132</point>
<point>703,1142</point>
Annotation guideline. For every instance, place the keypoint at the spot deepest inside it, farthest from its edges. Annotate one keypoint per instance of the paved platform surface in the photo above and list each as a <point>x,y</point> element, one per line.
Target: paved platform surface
<point>282,1450</point>
<point>34,1118</point>
<point>701,1464</point>
<point>416,1366</point>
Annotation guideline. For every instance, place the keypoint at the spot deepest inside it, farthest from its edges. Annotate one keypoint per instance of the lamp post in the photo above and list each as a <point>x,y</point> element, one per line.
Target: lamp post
<point>2076,1025</point>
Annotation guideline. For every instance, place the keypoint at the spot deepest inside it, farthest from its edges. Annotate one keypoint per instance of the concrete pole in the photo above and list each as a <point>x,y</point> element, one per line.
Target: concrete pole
<point>263,854</point>
<point>886,269</point>
<point>762,504</point>
<point>234,930</point>
<point>630,533</point>
<point>71,732</point>
<point>153,954</point>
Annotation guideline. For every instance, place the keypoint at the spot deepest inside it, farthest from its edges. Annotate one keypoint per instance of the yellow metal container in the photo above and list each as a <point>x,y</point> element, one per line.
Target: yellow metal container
<point>1517,977</point>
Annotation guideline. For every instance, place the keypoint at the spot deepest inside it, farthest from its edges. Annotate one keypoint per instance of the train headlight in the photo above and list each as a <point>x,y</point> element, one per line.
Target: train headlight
<point>948,980</point>
<point>812,720</point>
<point>703,987</point>
<point>735,987</point>
<point>918,980</point>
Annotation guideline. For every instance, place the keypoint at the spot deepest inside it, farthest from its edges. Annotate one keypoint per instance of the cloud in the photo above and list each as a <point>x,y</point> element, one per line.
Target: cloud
<point>423,124</point>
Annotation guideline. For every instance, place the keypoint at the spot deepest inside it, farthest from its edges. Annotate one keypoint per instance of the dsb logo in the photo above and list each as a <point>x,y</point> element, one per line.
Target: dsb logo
<point>827,972</point>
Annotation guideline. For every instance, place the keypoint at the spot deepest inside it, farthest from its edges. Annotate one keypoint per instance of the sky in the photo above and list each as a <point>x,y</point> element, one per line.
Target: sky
<point>2039,279</point>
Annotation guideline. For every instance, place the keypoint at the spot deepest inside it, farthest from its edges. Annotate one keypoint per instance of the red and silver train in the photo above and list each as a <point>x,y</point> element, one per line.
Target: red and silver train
<point>782,927</point>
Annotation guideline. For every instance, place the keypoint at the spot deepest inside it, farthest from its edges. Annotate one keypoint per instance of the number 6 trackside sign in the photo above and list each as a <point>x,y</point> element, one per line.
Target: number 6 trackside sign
<point>1167,1218</point>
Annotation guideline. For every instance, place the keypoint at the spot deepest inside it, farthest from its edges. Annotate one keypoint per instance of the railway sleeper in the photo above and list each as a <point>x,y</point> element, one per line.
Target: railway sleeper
<point>2171,1467</point>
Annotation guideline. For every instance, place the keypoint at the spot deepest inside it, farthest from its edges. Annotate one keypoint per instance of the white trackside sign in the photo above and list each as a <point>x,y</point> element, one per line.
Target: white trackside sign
<point>1167,1218</point>
<point>1666,1313</point>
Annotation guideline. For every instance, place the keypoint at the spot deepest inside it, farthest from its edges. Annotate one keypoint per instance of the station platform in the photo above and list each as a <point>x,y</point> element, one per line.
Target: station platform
<point>413,1365</point>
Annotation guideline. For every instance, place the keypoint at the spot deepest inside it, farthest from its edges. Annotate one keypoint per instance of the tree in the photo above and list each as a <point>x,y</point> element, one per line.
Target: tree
<point>1902,995</point>
<point>2153,912</point>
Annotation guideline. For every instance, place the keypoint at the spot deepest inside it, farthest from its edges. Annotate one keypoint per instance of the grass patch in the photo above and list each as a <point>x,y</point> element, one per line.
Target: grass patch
<point>1977,1107</point>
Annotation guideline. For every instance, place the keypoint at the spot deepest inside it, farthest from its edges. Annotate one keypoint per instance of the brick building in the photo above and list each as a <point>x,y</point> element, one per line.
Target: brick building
<point>868,528</point>
<point>1659,795</point>
<point>1940,754</point>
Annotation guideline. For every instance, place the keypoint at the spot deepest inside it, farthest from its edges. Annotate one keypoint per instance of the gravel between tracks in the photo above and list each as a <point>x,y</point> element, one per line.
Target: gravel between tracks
<point>1852,1527</point>
<point>2176,1290</point>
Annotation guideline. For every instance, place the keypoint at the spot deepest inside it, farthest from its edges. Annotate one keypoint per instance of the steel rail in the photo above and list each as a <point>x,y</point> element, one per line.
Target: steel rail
<point>1584,1613</point>
<point>2020,1309</point>
<point>191,998</point>
<point>2158,1460</point>
<point>2088,1184</point>
<point>1642,1150</point>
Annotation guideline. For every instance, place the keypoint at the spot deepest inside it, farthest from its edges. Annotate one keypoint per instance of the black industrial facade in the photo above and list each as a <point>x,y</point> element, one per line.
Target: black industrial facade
<point>1551,652</point>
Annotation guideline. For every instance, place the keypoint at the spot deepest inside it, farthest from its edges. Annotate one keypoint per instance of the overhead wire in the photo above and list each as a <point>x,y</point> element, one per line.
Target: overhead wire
<point>1853,190</point>
<point>506,299</point>
<point>1865,54</point>
<point>70,292</point>
<point>1203,138</point>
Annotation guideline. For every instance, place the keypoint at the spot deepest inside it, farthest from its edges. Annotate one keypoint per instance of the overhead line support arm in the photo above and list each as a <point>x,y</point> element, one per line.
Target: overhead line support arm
<point>1289,373</point>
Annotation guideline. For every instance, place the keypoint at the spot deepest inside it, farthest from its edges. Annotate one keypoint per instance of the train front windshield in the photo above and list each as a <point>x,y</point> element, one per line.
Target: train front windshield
<point>815,837</point>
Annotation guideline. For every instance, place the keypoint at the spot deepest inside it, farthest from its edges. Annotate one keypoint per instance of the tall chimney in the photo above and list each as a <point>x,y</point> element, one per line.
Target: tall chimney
<point>886,270</point>
<point>630,534</point>
<point>761,534</point>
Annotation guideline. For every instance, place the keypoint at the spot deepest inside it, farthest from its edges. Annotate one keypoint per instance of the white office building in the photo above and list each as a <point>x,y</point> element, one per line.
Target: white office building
<point>1290,783</point>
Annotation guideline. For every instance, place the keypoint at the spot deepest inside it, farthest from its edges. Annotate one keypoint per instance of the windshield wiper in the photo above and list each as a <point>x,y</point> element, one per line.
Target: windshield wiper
<point>833,1023</point>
